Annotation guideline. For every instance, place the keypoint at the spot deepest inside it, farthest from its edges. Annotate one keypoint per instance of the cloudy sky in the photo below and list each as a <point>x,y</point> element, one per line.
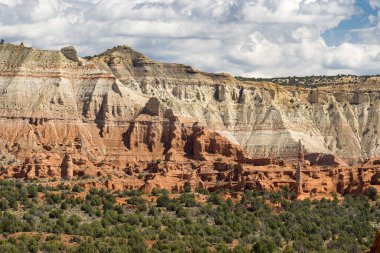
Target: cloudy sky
<point>243,37</point>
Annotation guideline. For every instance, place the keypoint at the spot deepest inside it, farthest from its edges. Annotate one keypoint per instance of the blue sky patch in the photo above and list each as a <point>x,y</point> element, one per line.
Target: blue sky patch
<point>349,30</point>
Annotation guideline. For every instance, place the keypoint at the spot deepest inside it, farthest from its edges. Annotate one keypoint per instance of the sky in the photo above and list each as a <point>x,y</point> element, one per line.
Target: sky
<point>254,38</point>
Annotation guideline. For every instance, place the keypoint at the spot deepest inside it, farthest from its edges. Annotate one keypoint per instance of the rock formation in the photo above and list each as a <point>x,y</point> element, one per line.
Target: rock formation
<point>67,167</point>
<point>300,164</point>
<point>70,53</point>
<point>143,124</point>
<point>266,119</point>
<point>376,245</point>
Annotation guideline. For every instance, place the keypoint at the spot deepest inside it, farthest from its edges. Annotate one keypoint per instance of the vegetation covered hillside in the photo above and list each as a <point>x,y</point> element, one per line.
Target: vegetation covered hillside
<point>315,81</point>
<point>54,217</point>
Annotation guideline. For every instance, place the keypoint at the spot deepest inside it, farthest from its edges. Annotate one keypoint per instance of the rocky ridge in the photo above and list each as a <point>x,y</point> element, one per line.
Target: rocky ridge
<point>267,120</point>
<point>143,124</point>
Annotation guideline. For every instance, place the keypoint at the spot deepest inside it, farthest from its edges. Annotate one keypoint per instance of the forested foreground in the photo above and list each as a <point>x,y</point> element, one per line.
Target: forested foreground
<point>39,218</point>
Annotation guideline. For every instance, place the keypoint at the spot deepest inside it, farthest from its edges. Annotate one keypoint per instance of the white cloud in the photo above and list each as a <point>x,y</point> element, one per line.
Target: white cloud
<point>374,3</point>
<point>243,37</point>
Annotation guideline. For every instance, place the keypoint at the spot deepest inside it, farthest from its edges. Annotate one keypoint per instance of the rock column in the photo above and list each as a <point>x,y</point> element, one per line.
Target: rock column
<point>301,161</point>
<point>67,167</point>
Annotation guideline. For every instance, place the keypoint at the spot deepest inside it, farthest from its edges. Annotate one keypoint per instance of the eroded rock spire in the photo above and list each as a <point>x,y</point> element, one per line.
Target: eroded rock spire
<point>301,152</point>
<point>301,161</point>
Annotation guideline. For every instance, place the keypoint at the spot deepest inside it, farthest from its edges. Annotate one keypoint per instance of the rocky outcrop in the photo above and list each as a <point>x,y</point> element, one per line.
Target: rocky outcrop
<point>324,160</point>
<point>38,166</point>
<point>142,123</point>
<point>67,167</point>
<point>106,92</point>
<point>376,245</point>
<point>70,53</point>
<point>155,133</point>
<point>267,120</point>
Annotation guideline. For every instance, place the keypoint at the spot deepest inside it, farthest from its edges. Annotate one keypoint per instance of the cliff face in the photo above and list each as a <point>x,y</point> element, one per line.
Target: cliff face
<point>49,103</point>
<point>265,119</point>
<point>61,115</point>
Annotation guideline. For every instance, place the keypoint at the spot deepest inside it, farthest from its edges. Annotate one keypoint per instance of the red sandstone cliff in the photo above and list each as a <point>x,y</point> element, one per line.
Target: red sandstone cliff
<point>140,124</point>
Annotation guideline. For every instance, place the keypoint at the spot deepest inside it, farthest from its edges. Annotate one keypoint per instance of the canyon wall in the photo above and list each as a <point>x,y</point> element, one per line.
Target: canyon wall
<point>120,113</point>
<point>265,119</point>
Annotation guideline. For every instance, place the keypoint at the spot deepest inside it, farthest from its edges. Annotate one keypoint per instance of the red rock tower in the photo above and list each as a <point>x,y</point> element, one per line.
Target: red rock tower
<point>67,167</point>
<point>301,161</point>
<point>301,153</point>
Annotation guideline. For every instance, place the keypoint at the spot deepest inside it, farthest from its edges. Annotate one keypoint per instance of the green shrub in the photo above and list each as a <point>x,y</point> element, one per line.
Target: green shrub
<point>372,193</point>
<point>77,188</point>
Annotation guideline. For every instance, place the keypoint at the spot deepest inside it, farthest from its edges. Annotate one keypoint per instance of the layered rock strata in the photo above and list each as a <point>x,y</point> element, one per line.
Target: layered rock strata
<point>125,117</point>
<point>266,119</point>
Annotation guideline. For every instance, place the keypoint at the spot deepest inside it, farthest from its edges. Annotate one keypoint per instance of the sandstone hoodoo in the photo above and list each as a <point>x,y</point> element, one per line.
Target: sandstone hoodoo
<point>143,124</point>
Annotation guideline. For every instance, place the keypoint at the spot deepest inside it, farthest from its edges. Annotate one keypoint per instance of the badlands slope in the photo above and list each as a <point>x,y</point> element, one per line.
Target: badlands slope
<point>120,113</point>
<point>74,96</point>
<point>265,119</point>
